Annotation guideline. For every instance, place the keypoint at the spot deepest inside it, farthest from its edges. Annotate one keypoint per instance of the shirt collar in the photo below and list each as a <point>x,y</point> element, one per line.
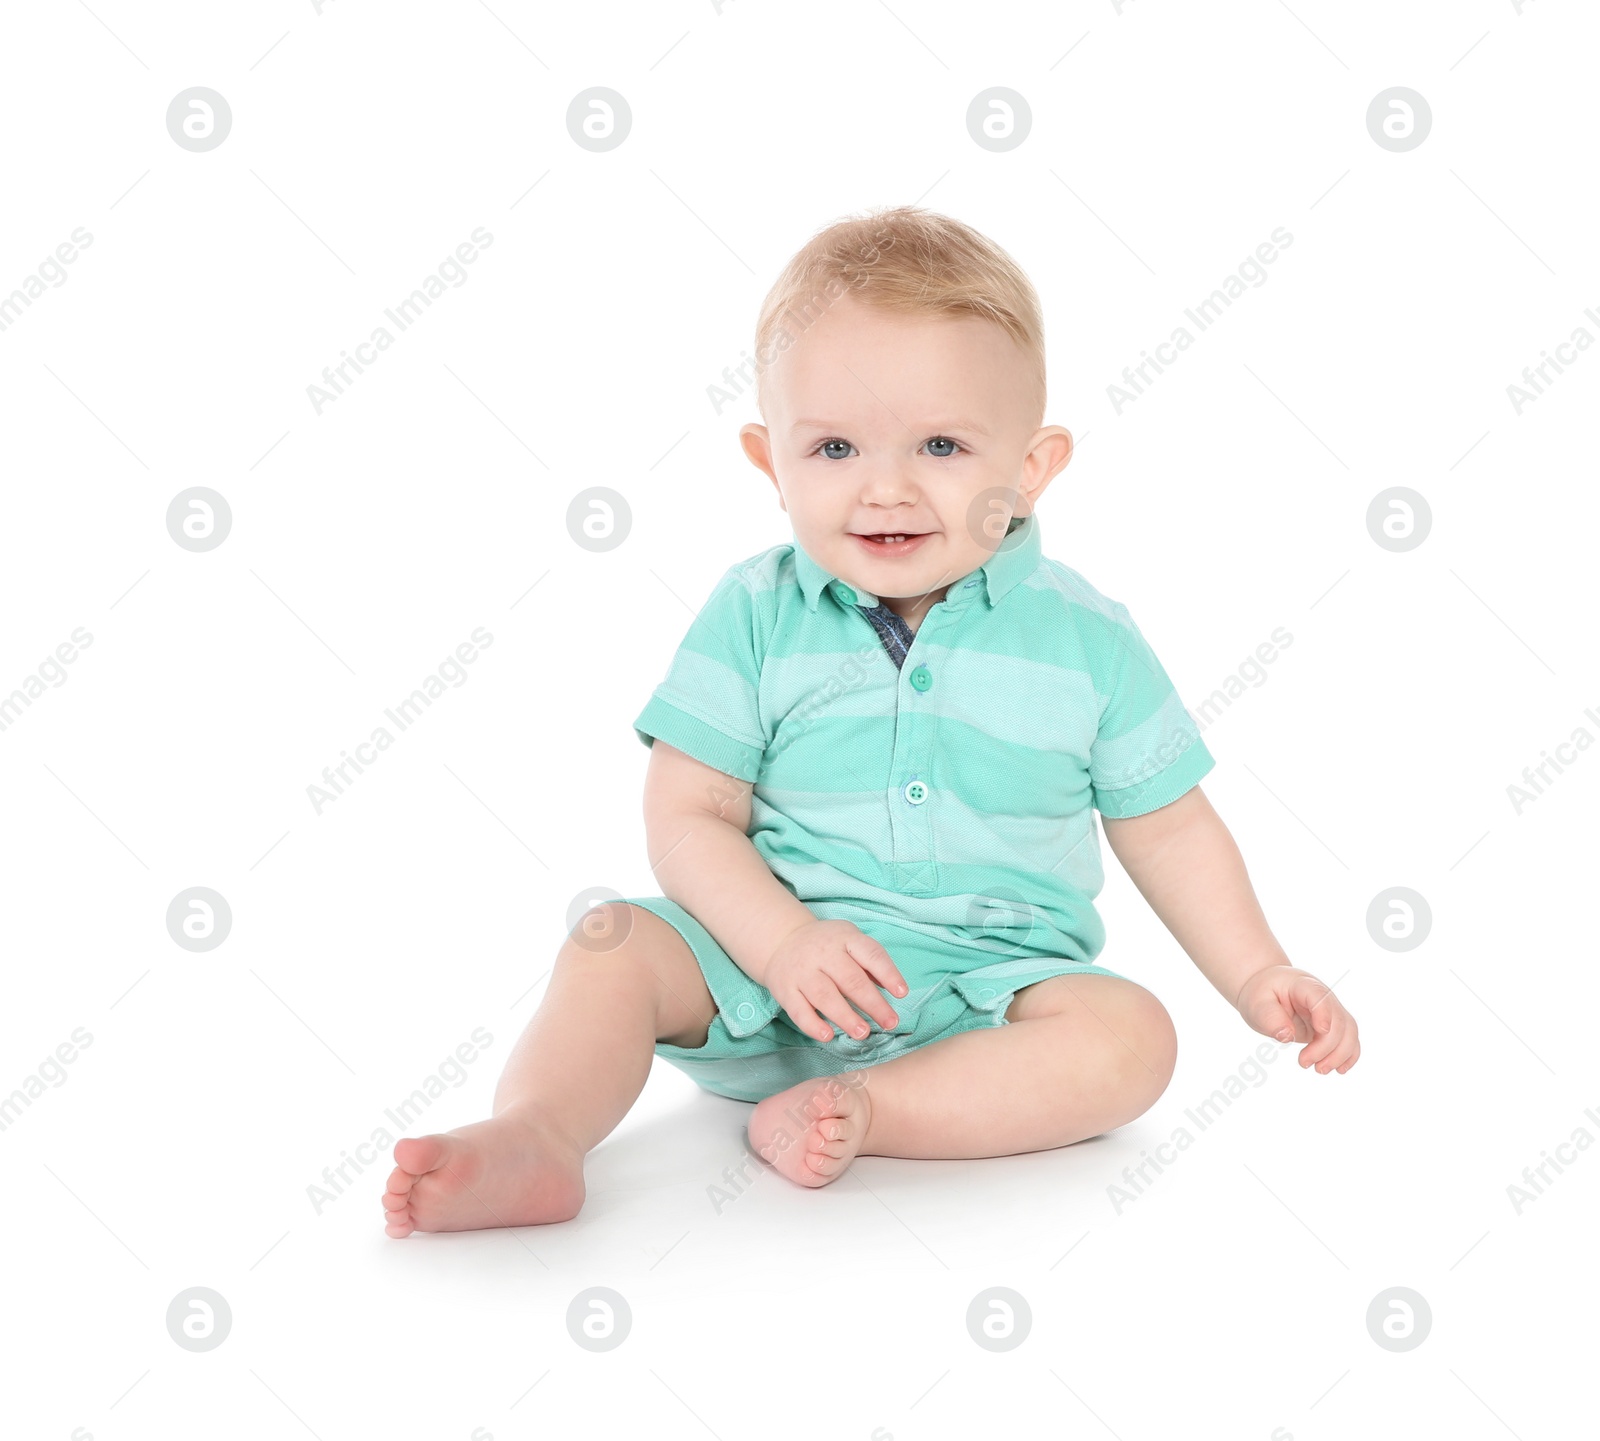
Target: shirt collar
<point>1015,559</point>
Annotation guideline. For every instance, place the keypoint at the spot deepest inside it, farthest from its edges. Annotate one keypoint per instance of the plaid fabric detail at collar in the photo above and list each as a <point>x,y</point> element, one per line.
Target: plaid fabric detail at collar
<point>893,631</point>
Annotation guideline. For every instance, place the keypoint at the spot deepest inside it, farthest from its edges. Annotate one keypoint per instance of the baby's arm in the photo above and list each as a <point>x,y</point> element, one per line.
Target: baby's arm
<point>1186,865</point>
<point>696,822</point>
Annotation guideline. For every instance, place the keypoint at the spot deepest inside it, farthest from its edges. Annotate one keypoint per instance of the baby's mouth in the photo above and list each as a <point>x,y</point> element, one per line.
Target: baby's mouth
<point>892,542</point>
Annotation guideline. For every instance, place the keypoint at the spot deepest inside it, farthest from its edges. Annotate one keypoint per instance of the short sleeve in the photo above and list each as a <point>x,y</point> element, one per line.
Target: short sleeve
<point>708,705</point>
<point>1148,750</point>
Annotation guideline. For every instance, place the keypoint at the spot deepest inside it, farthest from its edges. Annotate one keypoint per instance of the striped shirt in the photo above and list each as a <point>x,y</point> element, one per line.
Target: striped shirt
<point>941,782</point>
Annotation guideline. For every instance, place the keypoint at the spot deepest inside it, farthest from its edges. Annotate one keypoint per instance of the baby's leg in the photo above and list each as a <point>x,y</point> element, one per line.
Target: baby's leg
<point>1082,1055</point>
<point>569,1080</point>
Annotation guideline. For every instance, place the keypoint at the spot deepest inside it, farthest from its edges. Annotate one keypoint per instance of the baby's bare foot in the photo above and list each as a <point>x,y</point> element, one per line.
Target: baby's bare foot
<point>812,1132</point>
<point>513,1170</point>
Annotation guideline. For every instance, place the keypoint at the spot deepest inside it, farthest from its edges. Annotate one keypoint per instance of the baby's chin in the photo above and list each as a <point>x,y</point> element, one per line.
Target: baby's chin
<point>903,590</point>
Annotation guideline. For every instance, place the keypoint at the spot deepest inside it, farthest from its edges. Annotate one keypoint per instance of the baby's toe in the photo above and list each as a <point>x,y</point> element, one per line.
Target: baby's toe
<point>400,1181</point>
<point>822,1165</point>
<point>417,1155</point>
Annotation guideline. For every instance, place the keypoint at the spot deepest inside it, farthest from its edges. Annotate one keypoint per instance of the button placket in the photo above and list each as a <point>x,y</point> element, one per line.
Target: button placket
<point>914,867</point>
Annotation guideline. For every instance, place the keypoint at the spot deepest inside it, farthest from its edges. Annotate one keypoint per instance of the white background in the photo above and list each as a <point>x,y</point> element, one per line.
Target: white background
<point>367,542</point>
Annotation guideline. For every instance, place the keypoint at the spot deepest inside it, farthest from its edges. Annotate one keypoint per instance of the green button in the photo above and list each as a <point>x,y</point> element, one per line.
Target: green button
<point>847,595</point>
<point>920,678</point>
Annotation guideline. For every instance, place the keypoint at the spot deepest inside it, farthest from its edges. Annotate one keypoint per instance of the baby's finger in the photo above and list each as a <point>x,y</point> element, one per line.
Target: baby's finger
<point>857,985</point>
<point>1338,1061</point>
<point>1271,1018</point>
<point>826,997</point>
<point>1312,1026</point>
<point>877,963</point>
<point>1316,1001</point>
<point>1274,1015</point>
<point>1335,1058</point>
<point>1317,1048</point>
<point>1351,1046</point>
<point>1324,1044</point>
<point>807,1020</point>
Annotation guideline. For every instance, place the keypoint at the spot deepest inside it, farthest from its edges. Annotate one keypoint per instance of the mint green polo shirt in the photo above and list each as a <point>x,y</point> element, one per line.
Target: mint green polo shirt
<point>951,796</point>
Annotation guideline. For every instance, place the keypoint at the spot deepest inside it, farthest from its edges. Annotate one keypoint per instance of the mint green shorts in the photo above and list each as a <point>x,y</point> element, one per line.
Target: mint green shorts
<point>753,1050</point>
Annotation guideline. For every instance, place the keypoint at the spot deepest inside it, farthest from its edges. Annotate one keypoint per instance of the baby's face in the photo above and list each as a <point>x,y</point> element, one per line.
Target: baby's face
<point>900,425</point>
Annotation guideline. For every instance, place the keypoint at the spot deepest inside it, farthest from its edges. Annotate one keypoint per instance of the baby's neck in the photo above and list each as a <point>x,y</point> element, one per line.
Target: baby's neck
<point>913,609</point>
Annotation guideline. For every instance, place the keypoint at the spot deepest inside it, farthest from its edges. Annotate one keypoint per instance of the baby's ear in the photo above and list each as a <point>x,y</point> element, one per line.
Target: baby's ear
<point>757,445</point>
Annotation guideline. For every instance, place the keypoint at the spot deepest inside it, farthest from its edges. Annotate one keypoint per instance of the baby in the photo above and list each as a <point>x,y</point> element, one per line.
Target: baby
<point>869,802</point>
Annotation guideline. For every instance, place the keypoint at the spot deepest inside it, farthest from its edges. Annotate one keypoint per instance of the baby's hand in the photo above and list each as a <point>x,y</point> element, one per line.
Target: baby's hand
<point>1293,1005</point>
<point>819,965</point>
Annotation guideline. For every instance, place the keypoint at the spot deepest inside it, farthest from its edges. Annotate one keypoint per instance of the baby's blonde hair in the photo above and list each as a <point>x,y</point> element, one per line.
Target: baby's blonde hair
<point>906,261</point>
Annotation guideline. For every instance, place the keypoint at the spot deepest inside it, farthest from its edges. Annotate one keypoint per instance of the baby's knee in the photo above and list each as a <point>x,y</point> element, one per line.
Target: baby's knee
<point>627,943</point>
<point>1141,1045</point>
<point>609,929</point>
<point>636,947</point>
<point>1159,1037</point>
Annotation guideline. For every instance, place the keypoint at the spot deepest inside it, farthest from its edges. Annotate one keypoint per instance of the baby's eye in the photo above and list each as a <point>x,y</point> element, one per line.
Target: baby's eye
<point>841,449</point>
